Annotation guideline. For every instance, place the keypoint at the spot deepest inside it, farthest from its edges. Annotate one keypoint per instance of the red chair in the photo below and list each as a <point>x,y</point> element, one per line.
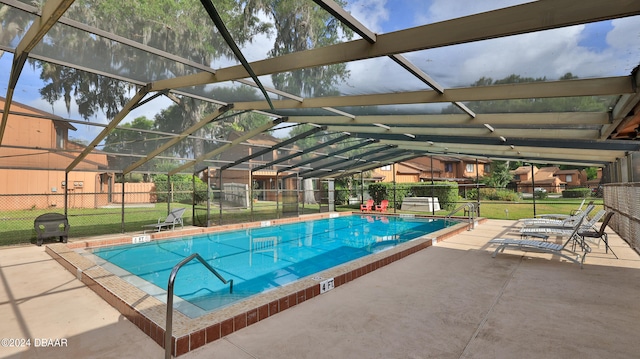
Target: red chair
<point>383,206</point>
<point>367,206</point>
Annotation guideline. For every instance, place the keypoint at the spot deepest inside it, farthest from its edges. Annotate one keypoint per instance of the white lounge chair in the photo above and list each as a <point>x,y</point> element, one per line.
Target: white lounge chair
<point>563,216</point>
<point>568,222</point>
<point>562,231</point>
<point>174,217</point>
<point>530,245</point>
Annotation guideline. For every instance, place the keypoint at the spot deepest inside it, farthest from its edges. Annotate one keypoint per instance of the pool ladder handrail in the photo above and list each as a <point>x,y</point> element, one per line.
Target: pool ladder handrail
<point>472,214</point>
<point>172,278</point>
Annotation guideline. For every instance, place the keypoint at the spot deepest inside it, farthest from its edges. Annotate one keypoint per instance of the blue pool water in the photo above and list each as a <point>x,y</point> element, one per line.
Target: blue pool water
<point>260,259</point>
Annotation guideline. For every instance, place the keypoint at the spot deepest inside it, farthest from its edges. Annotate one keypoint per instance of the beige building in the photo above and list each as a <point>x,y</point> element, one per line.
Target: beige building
<point>552,179</point>
<point>34,154</point>
<point>438,168</point>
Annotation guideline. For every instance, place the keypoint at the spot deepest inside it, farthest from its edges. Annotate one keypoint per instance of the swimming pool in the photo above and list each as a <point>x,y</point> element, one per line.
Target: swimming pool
<point>257,259</point>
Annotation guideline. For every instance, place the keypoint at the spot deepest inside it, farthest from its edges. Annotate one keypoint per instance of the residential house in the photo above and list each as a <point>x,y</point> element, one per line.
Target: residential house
<point>527,178</point>
<point>438,168</point>
<point>572,178</point>
<point>265,182</point>
<point>34,154</point>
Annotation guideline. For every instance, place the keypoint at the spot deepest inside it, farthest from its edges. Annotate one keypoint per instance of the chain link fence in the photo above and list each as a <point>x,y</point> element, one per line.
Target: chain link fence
<point>114,210</point>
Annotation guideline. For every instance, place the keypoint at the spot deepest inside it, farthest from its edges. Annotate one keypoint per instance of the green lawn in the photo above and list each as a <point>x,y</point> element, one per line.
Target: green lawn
<point>16,227</point>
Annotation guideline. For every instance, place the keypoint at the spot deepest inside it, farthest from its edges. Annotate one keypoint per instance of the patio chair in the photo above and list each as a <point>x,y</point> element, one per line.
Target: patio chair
<point>600,233</point>
<point>382,207</point>
<point>174,217</point>
<point>367,206</point>
<point>568,222</point>
<point>531,245</point>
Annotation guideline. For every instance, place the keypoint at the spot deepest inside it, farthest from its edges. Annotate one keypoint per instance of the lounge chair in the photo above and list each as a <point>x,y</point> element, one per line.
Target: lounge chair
<point>367,206</point>
<point>600,233</point>
<point>382,207</point>
<point>531,245</point>
<point>563,216</point>
<point>568,222</point>
<point>562,231</point>
<point>174,217</point>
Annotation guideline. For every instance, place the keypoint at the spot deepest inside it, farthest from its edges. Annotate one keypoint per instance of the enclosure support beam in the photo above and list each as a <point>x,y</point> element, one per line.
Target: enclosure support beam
<point>533,190</point>
<point>122,226</point>
<point>246,136</point>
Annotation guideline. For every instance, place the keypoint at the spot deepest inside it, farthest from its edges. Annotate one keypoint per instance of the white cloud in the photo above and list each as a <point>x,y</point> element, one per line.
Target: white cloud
<point>441,10</point>
<point>549,54</point>
<point>371,13</point>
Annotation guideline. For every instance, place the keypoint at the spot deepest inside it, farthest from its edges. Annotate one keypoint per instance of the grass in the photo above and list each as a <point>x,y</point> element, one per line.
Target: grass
<point>16,227</point>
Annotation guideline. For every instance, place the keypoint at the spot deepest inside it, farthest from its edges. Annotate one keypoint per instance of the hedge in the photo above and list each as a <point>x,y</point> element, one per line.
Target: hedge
<point>182,189</point>
<point>576,193</point>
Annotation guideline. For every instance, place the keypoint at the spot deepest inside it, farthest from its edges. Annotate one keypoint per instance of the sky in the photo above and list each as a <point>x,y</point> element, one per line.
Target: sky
<point>610,48</point>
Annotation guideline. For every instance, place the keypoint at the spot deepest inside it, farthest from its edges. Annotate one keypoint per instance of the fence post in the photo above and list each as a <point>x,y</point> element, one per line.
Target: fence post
<point>66,193</point>
<point>395,205</point>
<point>533,190</point>
<point>122,205</point>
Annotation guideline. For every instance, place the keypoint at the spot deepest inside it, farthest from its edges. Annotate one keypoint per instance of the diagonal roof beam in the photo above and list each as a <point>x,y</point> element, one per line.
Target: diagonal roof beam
<point>346,18</point>
<point>105,131</point>
<point>274,147</point>
<point>338,12</point>
<point>520,19</point>
<point>623,107</point>
<point>405,157</point>
<point>307,150</point>
<point>357,157</point>
<point>415,71</point>
<point>351,166</point>
<point>219,112</point>
<point>217,20</point>
<point>51,12</point>
<point>332,154</point>
<point>227,146</point>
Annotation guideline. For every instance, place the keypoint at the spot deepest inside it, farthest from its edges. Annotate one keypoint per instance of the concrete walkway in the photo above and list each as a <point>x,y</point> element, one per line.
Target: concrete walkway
<point>448,301</point>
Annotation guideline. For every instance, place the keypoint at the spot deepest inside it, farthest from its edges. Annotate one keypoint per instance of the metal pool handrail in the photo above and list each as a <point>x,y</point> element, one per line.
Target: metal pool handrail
<point>172,278</point>
<point>472,213</point>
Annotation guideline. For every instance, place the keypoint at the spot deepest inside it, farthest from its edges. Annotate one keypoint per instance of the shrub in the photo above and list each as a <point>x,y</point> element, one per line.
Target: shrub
<point>576,193</point>
<point>498,194</point>
<point>183,191</point>
<point>540,194</point>
<point>342,194</point>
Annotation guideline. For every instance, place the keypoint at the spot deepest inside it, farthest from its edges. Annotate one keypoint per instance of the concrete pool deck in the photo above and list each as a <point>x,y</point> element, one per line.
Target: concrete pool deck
<point>451,300</point>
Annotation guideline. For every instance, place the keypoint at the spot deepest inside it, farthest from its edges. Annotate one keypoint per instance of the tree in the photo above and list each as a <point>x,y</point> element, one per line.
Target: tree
<point>499,176</point>
<point>302,25</point>
<point>562,104</point>
<point>592,172</point>
<point>127,141</point>
<point>181,27</point>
